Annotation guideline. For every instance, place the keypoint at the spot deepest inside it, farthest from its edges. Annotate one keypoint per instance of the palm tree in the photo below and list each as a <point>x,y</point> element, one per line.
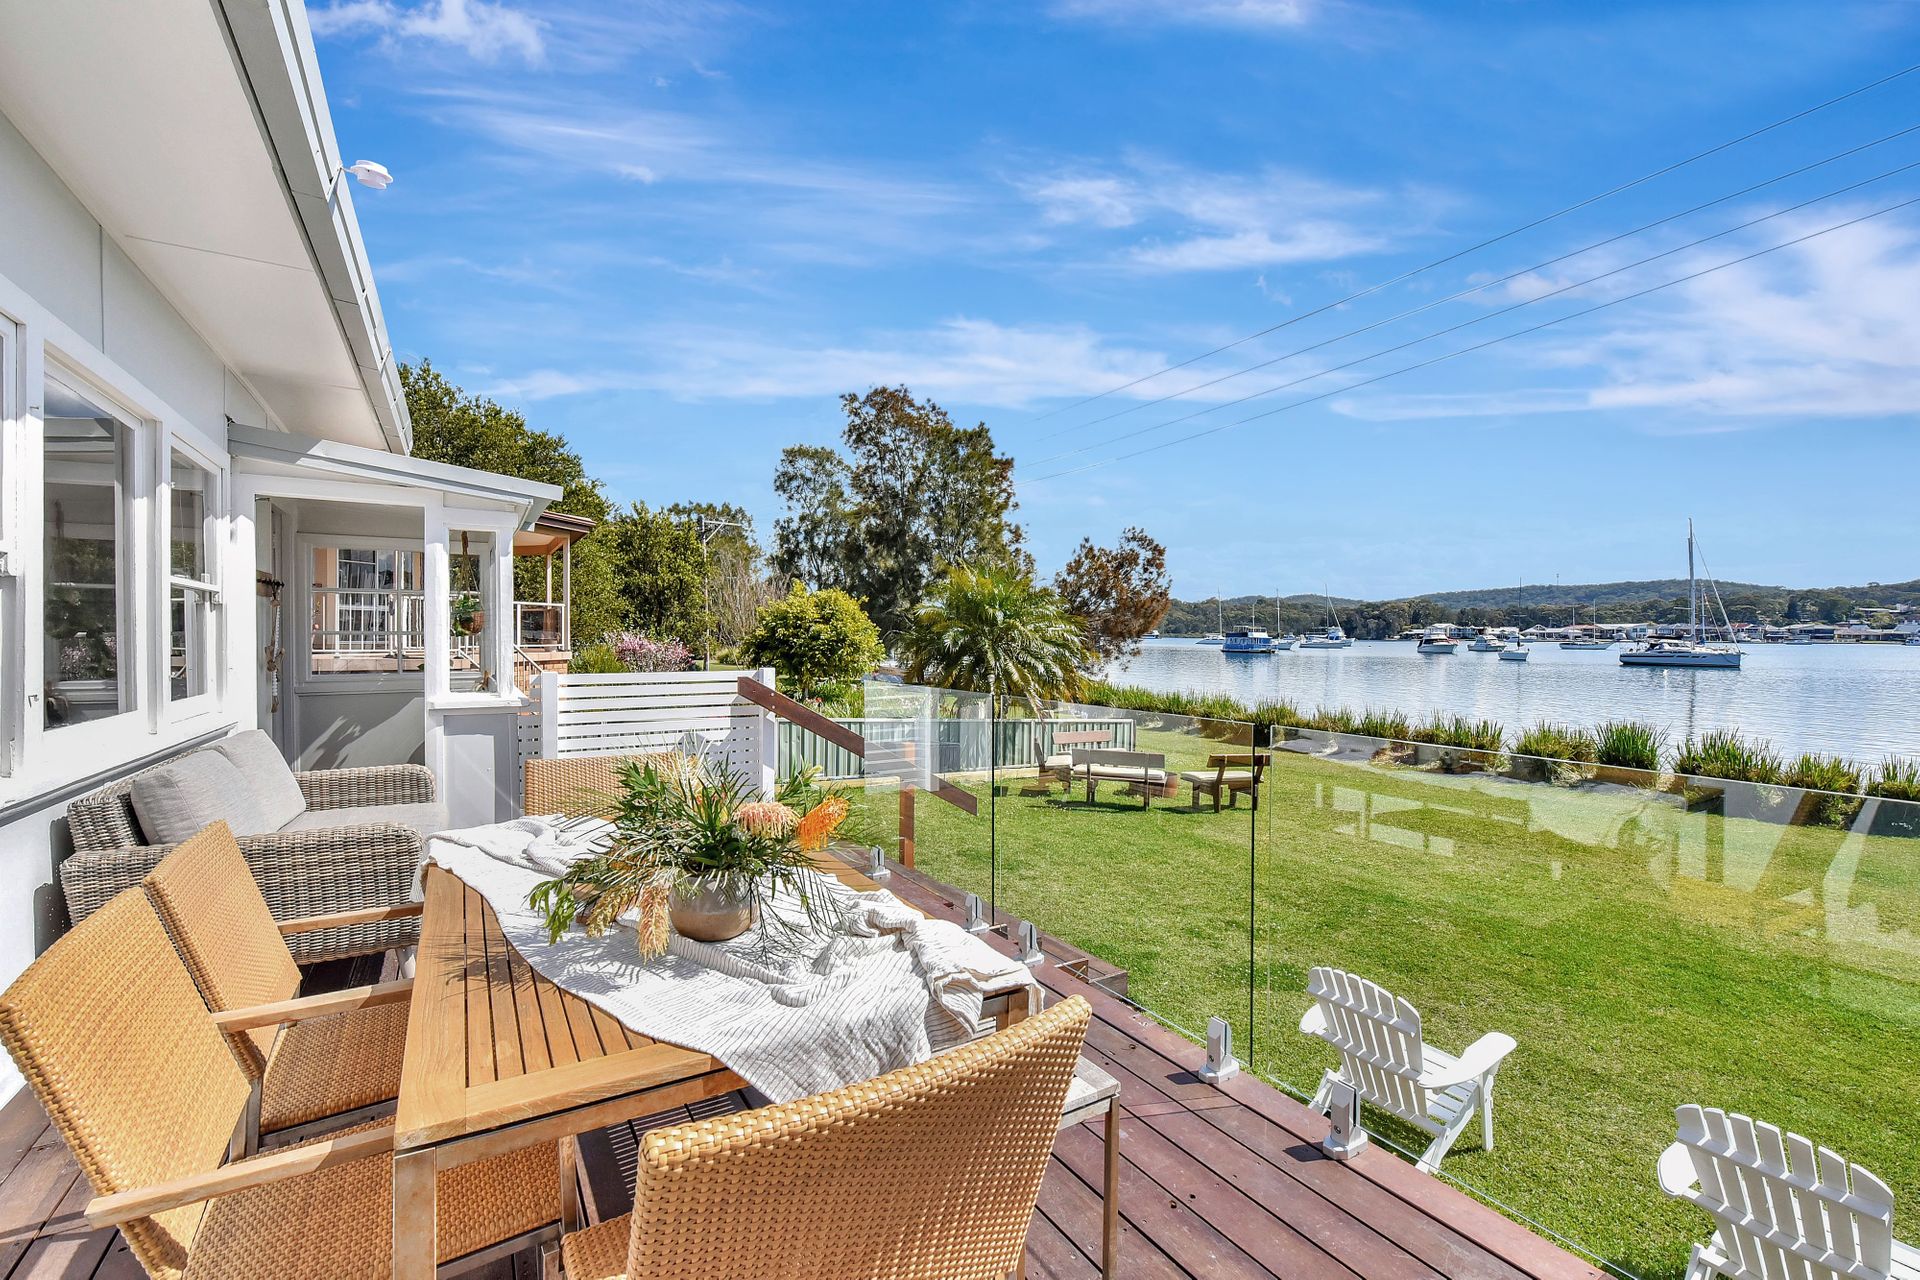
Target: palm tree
<point>990,629</point>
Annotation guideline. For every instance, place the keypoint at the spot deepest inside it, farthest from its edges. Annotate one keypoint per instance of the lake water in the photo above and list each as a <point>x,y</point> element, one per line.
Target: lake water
<point>1856,700</point>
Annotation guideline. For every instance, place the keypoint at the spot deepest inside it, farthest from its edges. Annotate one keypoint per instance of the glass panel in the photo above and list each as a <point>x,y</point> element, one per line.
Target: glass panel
<point>1649,940</point>
<point>188,484</point>
<point>927,778</point>
<point>88,474</point>
<point>189,652</point>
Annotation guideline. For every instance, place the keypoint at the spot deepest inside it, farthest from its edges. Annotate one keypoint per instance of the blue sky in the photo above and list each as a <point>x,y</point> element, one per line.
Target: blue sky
<point>675,232</point>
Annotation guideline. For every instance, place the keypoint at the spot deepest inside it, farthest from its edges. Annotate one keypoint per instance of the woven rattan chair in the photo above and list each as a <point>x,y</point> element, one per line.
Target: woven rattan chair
<point>309,1060</point>
<point>927,1173</point>
<point>578,786</point>
<point>109,1031</point>
<point>301,873</point>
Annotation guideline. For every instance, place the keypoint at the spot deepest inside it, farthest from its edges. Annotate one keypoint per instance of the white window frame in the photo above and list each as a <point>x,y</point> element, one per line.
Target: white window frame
<point>90,739</point>
<point>12,646</point>
<point>213,519</point>
<point>301,650</point>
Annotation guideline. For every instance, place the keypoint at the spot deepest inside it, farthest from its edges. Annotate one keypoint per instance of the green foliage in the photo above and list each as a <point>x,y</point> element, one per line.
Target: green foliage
<point>1458,731</point>
<point>1118,593</point>
<point>815,639</point>
<point>911,495</point>
<point>1384,724</point>
<point>992,630</point>
<point>659,564</point>
<point>596,659</point>
<point>1819,775</point>
<point>1332,720</point>
<point>449,425</point>
<point>1630,744</point>
<point>1726,754</point>
<point>1896,778</point>
<point>1558,742</point>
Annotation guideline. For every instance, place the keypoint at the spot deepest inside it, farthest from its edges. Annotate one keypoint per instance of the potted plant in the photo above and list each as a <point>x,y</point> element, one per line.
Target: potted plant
<point>469,618</point>
<point>696,850</point>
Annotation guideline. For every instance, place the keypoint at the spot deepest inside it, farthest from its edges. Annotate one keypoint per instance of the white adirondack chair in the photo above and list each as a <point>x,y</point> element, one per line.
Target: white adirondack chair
<point>1384,1058</point>
<point>1785,1211</point>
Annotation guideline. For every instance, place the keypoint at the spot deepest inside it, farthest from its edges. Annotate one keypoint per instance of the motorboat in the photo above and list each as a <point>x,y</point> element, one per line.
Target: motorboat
<point>1518,653</point>
<point>1694,650</point>
<point>1437,640</point>
<point>1247,642</point>
<point>1212,637</point>
<point>1484,643</point>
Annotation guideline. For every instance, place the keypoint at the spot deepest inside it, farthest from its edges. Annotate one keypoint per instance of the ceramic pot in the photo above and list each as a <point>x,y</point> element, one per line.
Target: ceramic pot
<point>708,914</point>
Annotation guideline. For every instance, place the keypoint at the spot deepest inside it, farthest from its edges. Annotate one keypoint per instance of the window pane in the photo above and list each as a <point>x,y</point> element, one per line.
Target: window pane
<point>187,656</point>
<point>88,459</point>
<point>189,519</point>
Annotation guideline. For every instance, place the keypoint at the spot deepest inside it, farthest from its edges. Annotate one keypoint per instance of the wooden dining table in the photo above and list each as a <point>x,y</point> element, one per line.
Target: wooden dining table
<point>498,1058</point>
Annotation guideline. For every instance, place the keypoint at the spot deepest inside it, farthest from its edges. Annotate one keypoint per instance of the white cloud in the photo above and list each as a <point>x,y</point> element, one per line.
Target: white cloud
<point>1256,14</point>
<point>1196,220</point>
<point>1825,329</point>
<point>483,30</point>
<point>974,361</point>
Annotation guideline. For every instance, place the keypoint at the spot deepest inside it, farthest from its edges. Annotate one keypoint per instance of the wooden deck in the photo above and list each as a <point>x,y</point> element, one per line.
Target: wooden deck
<point>1215,1182</point>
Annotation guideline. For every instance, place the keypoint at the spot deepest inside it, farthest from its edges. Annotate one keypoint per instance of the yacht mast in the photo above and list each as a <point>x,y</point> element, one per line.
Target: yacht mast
<point>1693,591</point>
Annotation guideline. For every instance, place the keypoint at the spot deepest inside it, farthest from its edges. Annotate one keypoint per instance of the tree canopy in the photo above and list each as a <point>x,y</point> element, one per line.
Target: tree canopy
<point>910,495</point>
<point>1119,593</point>
<point>815,639</point>
<point>451,425</point>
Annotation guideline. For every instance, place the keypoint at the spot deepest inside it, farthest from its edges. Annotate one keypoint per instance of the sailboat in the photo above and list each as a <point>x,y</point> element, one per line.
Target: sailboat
<point>1518,652</point>
<point>1694,651</point>
<point>1593,644</point>
<point>1333,637</point>
<point>1283,640</point>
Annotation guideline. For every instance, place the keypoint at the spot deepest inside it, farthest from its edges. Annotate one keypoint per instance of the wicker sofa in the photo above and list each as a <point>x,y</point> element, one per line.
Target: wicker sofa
<point>358,844</point>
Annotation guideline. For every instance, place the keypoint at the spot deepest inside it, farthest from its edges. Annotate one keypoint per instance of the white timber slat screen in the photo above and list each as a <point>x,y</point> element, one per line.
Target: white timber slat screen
<point>699,712</point>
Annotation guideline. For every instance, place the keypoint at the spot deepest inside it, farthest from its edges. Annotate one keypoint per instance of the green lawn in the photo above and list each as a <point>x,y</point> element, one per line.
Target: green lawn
<point>1642,955</point>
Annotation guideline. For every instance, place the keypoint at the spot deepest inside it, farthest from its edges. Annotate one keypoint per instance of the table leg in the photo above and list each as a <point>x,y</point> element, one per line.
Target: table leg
<point>416,1244</point>
<point>1110,1194</point>
<point>572,1213</point>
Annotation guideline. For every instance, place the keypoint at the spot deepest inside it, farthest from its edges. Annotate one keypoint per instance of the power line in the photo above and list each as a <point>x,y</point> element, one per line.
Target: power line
<point>1481,346</point>
<point>1479,319</point>
<point>1505,235</point>
<point>1485,285</point>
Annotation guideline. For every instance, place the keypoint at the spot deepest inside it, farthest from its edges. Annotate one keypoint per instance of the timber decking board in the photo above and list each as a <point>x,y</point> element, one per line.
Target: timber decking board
<point>1224,1181</point>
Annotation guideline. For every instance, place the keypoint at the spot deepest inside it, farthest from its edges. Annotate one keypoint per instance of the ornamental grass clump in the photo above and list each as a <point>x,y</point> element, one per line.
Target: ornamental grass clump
<point>1555,753</point>
<point>1832,786</point>
<point>686,826</point>
<point>1629,744</point>
<point>1724,753</point>
<point>1896,778</point>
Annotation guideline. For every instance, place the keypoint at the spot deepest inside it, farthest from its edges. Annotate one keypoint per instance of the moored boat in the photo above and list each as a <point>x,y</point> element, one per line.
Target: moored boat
<point>1436,640</point>
<point>1518,653</point>
<point>1247,642</point>
<point>1694,650</point>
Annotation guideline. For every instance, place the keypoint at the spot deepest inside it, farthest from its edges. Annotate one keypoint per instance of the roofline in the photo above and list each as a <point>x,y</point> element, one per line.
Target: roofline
<point>567,522</point>
<point>352,461</point>
<point>272,47</point>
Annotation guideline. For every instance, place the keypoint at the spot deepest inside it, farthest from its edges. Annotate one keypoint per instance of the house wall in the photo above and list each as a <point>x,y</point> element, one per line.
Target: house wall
<point>66,288</point>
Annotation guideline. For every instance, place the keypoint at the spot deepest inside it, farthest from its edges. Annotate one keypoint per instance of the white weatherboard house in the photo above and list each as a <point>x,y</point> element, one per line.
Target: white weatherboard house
<point>203,445</point>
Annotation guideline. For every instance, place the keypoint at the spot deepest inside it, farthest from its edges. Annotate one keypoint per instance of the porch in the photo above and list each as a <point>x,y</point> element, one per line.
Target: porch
<point>1224,1181</point>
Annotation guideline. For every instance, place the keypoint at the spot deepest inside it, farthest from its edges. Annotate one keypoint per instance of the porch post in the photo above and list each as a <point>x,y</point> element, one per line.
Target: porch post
<point>435,616</point>
<point>506,635</point>
<point>566,596</point>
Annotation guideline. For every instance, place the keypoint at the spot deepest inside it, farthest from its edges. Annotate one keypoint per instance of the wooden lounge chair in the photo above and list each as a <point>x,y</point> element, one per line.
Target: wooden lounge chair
<point>927,1173</point>
<point>1783,1211</point>
<point>1143,773</point>
<point>109,1031</point>
<point>311,1061</point>
<point>1384,1058</point>
<point>1228,775</point>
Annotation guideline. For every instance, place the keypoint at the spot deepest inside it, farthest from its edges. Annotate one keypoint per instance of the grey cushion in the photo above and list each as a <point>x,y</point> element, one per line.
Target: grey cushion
<point>276,793</point>
<point>424,818</point>
<point>174,801</point>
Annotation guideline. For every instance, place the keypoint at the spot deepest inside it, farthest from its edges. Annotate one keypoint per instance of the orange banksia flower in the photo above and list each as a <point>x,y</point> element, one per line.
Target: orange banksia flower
<point>821,822</point>
<point>766,818</point>
<point>655,928</point>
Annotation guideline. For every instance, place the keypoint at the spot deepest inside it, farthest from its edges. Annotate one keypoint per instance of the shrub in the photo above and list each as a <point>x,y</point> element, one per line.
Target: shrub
<point>1629,744</point>
<point>1385,724</point>
<point>596,659</point>
<point>1559,742</point>
<point>1896,779</point>
<point>1724,753</point>
<point>1819,775</point>
<point>815,639</point>
<point>638,652</point>
<point>1333,720</point>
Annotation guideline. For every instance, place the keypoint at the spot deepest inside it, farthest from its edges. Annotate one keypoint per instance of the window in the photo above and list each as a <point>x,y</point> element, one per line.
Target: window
<point>190,583</point>
<point>90,662</point>
<point>367,610</point>
<point>470,592</point>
